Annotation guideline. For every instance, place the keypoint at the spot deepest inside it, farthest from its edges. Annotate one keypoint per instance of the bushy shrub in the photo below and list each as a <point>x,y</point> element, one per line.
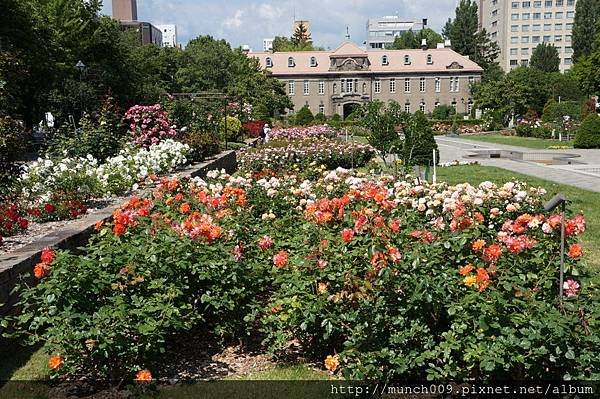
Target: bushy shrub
<point>13,142</point>
<point>336,120</point>
<point>304,117</point>
<point>230,128</point>
<point>253,129</point>
<point>443,112</point>
<point>588,135</point>
<point>555,111</point>
<point>320,118</point>
<point>535,130</point>
<point>299,133</point>
<point>148,124</point>
<point>202,144</point>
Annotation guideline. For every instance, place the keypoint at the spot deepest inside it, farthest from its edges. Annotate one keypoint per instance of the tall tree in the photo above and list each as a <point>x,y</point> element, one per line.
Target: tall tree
<point>466,37</point>
<point>301,36</point>
<point>585,27</point>
<point>587,70</point>
<point>545,57</point>
<point>412,40</point>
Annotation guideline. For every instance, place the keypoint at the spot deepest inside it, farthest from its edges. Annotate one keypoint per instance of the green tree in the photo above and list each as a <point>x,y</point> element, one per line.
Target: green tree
<point>412,40</point>
<point>586,27</point>
<point>587,70</point>
<point>588,135</point>
<point>304,117</point>
<point>466,37</point>
<point>521,90</point>
<point>382,122</point>
<point>545,57</point>
<point>419,141</point>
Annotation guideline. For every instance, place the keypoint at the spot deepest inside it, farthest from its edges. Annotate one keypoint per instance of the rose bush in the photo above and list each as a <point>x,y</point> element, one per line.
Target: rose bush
<point>300,133</point>
<point>376,277</point>
<point>284,154</point>
<point>148,124</point>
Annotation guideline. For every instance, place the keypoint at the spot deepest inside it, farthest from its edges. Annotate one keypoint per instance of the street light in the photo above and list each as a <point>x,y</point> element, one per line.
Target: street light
<point>81,68</point>
<point>559,200</point>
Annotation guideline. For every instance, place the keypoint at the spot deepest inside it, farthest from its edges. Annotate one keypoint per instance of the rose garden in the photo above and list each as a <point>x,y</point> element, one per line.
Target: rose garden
<point>369,275</point>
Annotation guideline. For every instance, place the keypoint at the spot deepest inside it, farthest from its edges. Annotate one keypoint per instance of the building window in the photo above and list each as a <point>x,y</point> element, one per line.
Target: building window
<point>514,17</point>
<point>570,2</point>
<point>378,86</point>
<point>514,63</point>
<point>514,39</point>
<point>422,107</point>
<point>537,28</point>
<point>525,28</point>
<point>526,4</point>
<point>392,85</point>
<point>364,88</point>
<point>558,27</point>
<point>570,14</point>
<point>321,87</point>
<point>515,4</point>
<point>334,89</point>
<point>525,51</point>
<point>429,59</point>
<point>525,39</point>
<point>559,15</point>
<point>568,61</point>
<point>385,60</point>
<point>407,85</point>
<point>269,62</point>
<point>349,86</point>
<point>548,3</point>
<point>514,28</point>
<point>471,80</point>
<point>422,86</point>
<point>321,109</point>
<point>313,61</point>
<point>306,90</point>
<point>547,15</point>
<point>456,84</point>
<point>407,108</point>
<point>525,16</point>
<point>537,4</point>
<point>406,60</point>
<point>470,106</point>
<point>560,3</point>
<point>537,15</point>
<point>291,62</point>
<point>438,85</point>
<point>558,38</point>
<point>291,88</point>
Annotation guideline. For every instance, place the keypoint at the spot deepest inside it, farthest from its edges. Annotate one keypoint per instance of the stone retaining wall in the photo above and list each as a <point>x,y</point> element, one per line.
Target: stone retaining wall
<point>17,263</point>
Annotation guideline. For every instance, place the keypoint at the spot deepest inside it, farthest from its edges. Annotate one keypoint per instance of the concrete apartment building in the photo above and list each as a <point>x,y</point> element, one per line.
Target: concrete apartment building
<point>335,82</point>
<point>169,35</point>
<point>124,10</point>
<point>381,32</point>
<point>519,26</point>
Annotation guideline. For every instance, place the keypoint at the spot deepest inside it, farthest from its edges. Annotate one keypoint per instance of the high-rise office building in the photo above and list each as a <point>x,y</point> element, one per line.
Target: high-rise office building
<point>520,26</point>
<point>124,10</point>
<point>381,32</point>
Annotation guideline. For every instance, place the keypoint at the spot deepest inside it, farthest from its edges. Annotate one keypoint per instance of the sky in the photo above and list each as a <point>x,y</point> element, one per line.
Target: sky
<point>249,22</point>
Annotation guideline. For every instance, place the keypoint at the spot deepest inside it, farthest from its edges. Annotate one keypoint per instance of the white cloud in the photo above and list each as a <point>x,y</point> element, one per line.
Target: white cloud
<point>234,22</point>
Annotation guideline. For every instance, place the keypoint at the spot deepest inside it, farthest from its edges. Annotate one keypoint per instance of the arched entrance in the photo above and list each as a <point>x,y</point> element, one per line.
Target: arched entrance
<point>349,108</point>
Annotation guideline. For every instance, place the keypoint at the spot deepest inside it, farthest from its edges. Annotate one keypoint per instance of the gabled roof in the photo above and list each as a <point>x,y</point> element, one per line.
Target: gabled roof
<point>442,60</point>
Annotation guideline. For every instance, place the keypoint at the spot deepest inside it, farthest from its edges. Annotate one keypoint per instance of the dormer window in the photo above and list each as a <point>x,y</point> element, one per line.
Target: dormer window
<point>385,60</point>
<point>429,59</point>
<point>406,60</point>
<point>291,62</point>
<point>313,61</point>
<point>269,62</point>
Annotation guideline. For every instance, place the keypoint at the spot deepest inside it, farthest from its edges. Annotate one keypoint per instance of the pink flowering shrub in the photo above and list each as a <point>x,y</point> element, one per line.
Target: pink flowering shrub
<point>148,124</point>
<point>300,133</point>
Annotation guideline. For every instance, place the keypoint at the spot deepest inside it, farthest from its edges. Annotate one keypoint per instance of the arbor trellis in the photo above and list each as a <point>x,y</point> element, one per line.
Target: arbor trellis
<point>224,100</point>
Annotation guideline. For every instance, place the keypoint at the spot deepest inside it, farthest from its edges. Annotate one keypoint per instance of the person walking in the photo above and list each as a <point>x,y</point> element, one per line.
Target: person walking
<point>266,133</point>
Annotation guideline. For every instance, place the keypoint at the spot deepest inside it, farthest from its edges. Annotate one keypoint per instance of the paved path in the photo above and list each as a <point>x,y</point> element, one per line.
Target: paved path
<point>582,176</point>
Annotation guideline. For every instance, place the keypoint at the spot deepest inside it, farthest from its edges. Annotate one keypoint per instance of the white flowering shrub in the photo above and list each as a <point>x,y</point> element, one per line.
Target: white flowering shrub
<point>85,178</point>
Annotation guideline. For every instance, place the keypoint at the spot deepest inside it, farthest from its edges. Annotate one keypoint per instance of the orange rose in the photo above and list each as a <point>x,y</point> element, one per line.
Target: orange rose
<point>575,251</point>
<point>143,376</point>
<point>332,363</point>
<point>478,245</point>
<point>347,235</point>
<point>40,270</point>
<point>55,362</point>
<point>466,269</point>
<point>119,229</point>
<point>185,208</point>
<point>280,259</point>
<point>99,224</point>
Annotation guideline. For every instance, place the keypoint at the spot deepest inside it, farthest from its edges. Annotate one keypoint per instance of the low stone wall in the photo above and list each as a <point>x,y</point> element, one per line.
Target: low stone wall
<point>14,265</point>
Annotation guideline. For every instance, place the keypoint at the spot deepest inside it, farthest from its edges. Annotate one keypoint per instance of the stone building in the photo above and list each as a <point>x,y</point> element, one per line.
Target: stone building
<point>335,82</point>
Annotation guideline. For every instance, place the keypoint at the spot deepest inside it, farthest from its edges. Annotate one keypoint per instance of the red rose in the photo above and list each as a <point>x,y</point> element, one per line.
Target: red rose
<point>49,208</point>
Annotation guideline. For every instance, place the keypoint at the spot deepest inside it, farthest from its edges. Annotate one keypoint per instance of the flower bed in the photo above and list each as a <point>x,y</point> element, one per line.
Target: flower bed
<point>378,278</point>
<point>317,151</point>
<point>301,133</point>
<point>447,127</point>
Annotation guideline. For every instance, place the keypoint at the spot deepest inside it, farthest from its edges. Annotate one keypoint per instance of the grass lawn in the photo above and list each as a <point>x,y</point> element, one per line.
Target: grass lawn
<point>581,200</point>
<point>528,142</point>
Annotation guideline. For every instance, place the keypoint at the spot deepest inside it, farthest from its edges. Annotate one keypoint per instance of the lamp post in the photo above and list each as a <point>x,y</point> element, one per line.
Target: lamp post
<point>81,68</point>
<point>559,200</point>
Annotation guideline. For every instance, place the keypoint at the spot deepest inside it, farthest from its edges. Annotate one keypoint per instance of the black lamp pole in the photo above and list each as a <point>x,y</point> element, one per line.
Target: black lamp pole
<point>81,67</point>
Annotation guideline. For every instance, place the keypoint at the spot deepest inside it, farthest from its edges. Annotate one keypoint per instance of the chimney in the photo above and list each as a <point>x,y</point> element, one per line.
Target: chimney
<point>447,44</point>
<point>423,44</point>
